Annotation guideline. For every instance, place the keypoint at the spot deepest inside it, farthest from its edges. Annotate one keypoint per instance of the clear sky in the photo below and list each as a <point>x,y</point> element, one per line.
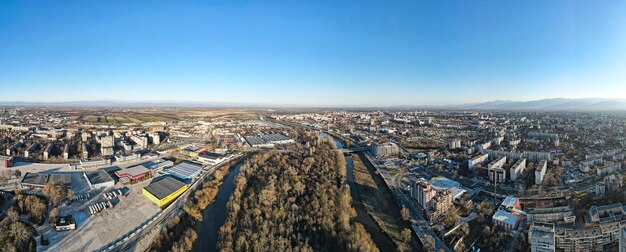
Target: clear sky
<point>312,52</point>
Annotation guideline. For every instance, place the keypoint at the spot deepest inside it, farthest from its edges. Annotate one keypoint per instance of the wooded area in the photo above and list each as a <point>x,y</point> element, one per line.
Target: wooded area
<point>296,201</point>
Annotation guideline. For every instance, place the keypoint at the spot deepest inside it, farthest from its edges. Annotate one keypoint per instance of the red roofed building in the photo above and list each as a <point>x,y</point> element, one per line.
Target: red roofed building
<point>133,174</point>
<point>6,161</point>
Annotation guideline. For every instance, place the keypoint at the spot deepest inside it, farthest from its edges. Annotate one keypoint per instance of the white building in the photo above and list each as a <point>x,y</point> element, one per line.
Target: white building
<point>99,179</point>
<point>540,171</point>
<point>541,237</point>
<point>385,150</point>
<point>472,162</point>
<point>517,169</point>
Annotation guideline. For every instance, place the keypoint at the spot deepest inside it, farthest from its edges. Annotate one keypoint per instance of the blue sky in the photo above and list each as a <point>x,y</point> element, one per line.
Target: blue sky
<point>312,52</point>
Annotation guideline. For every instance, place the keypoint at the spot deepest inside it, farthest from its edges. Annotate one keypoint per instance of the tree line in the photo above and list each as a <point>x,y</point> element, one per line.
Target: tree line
<point>296,201</point>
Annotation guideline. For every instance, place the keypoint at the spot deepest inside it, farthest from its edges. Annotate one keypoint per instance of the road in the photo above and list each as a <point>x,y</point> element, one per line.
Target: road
<point>420,225</point>
<point>129,239</point>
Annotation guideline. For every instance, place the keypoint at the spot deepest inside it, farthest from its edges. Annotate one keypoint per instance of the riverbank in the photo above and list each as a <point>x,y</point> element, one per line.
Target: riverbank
<point>380,205</point>
<point>179,231</point>
<point>214,216</point>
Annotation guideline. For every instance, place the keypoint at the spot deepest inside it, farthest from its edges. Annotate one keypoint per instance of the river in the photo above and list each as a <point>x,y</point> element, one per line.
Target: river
<point>382,240</point>
<point>215,214</point>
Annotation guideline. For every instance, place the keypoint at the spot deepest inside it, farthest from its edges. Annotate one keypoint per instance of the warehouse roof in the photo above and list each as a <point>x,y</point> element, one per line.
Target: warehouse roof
<point>132,171</point>
<point>252,140</point>
<point>35,178</point>
<point>97,177</point>
<point>64,179</point>
<point>42,179</point>
<point>164,187</point>
<point>185,170</point>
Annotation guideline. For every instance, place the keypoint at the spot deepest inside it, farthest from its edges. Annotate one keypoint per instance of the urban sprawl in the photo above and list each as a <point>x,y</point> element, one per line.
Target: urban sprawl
<point>467,180</point>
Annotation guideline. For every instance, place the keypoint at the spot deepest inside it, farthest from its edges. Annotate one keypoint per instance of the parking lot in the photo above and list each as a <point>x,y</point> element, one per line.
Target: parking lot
<point>94,231</point>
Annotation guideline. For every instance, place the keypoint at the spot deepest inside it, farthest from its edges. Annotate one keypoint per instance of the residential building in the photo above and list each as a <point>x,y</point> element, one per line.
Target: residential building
<point>551,214</point>
<point>433,202</point>
<point>540,171</point>
<point>385,150</point>
<point>517,169</point>
<point>475,161</point>
<point>541,237</point>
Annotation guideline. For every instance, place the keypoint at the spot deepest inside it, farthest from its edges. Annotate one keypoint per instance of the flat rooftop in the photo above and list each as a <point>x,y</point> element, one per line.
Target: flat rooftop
<point>43,179</point>
<point>132,171</point>
<point>185,170</point>
<point>252,140</point>
<point>97,177</point>
<point>505,217</point>
<point>164,187</point>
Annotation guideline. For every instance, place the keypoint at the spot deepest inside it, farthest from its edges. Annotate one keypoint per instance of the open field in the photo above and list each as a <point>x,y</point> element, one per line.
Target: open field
<point>380,204</point>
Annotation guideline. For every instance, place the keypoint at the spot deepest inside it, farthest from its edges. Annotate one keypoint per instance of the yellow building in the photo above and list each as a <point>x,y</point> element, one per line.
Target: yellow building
<point>164,191</point>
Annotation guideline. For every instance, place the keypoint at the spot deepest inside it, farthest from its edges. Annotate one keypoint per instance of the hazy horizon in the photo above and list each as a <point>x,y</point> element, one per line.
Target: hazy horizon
<point>312,54</point>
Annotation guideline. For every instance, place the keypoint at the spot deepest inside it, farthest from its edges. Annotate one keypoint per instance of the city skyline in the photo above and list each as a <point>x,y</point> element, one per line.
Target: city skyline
<point>312,54</point>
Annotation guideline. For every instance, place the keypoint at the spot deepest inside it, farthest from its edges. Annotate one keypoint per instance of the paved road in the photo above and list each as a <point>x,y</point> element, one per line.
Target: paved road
<point>420,225</point>
<point>128,240</point>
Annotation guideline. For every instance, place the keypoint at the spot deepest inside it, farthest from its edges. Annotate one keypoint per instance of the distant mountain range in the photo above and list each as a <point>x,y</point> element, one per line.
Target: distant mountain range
<point>588,104</point>
<point>551,104</point>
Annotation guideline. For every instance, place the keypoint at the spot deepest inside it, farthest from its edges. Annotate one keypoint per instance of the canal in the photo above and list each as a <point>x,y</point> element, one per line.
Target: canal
<point>215,214</point>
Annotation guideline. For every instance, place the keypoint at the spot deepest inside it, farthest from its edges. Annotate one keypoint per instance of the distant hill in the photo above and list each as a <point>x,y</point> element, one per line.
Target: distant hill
<point>589,104</point>
<point>552,104</point>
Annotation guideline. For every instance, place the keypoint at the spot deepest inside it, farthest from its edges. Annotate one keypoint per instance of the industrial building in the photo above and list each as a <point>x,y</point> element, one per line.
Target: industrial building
<point>133,174</point>
<point>267,140</point>
<point>212,158</point>
<point>39,180</point>
<point>164,191</point>
<point>99,179</point>
<point>185,170</point>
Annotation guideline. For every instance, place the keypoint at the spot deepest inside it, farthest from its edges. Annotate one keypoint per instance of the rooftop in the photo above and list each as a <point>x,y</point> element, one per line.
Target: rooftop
<point>506,217</point>
<point>185,170</point>
<point>164,187</point>
<point>132,171</point>
<point>97,177</point>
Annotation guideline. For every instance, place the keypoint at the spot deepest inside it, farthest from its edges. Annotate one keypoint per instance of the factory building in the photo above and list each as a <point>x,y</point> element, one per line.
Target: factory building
<point>163,191</point>
<point>133,174</point>
<point>99,179</point>
<point>39,180</point>
<point>184,171</point>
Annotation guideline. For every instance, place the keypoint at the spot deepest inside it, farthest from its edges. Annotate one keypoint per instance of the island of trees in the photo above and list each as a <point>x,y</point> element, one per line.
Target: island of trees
<point>294,201</point>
